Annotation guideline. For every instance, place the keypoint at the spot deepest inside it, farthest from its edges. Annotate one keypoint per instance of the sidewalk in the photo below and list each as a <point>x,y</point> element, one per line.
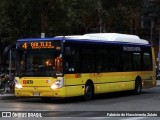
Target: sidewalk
<point>7,96</point>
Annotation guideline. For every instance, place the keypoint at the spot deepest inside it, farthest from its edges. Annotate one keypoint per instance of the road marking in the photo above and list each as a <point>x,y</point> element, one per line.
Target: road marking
<point>134,118</point>
<point>104,118</point>
<point>99,118</point>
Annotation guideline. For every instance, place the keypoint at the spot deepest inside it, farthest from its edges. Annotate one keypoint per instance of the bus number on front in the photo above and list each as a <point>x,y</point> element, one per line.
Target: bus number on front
<point>24,46</point>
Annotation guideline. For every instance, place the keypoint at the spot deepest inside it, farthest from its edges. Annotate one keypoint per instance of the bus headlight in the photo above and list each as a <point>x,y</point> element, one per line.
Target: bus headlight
<point>58,83</point>
<point>17,84</point>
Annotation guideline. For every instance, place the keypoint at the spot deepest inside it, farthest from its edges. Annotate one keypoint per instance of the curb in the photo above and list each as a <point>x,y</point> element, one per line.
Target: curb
<point>7,95</point>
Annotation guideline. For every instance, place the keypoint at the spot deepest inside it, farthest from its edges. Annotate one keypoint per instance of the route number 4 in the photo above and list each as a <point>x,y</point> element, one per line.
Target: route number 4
<point>24,46</point>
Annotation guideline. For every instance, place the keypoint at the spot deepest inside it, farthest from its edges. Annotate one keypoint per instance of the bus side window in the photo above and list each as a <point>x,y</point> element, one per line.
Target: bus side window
<point>127,62</point>
<point>99,68</point>
<point>147,64</point>
<point>86,59</point>
<point>137,61</point>
<point>70,65</point>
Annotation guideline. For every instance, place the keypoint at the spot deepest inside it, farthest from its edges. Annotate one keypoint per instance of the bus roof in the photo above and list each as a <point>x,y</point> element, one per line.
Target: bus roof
<point>96,37</point>
<point>109,37</point>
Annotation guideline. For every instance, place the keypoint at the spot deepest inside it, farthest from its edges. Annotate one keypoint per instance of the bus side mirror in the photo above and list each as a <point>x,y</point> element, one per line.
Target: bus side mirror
<point>68,51</point>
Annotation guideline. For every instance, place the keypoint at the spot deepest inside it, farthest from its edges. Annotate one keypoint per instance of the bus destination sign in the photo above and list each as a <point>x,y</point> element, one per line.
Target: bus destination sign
<point>39,45</point>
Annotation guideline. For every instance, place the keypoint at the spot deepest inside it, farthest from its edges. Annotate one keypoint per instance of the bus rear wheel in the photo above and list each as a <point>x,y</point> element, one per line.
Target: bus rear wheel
<point>89,91</point>
<point>138,87</point>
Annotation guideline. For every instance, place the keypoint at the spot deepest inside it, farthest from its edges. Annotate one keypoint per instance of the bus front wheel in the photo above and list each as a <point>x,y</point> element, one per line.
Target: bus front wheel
<point>89,91</point>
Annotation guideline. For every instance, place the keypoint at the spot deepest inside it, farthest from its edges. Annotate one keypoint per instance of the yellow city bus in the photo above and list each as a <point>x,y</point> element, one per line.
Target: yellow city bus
<point>83,65</point>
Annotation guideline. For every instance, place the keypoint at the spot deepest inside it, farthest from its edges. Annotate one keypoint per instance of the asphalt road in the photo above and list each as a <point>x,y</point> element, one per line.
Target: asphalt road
<point>106,106</point>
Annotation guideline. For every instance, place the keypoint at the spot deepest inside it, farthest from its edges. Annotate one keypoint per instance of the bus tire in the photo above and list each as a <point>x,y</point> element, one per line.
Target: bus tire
<point>138,87</point>
<point>89,91</point>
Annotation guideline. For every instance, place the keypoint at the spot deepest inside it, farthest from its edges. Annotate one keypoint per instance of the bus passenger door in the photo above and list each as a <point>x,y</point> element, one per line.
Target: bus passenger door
<point>101,73</point>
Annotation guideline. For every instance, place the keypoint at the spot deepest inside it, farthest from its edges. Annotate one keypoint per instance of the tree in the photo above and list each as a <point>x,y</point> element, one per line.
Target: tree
<point>28,18</point>
<point>20,18</point>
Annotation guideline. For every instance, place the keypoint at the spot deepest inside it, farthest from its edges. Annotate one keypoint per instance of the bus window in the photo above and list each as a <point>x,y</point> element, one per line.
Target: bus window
<point>147,64</point>
<point>70,63</point>
<point>115,61</point>
<point>86,60</point>
<point>136,61</point>
<point>127,62</point>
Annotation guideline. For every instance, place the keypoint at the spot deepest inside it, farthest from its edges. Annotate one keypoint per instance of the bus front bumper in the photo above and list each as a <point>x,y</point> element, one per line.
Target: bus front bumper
<point>39,92</point>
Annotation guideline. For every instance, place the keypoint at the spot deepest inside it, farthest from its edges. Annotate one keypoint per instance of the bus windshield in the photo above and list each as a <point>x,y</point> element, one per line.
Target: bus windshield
<point>39,62</point>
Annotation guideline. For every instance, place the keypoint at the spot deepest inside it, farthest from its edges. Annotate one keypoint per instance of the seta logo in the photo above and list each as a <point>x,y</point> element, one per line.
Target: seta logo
<point>27,82</point>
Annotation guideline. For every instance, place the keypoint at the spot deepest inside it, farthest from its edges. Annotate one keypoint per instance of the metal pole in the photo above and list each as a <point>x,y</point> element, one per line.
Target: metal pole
<point>151,18</point>
<point>159,51</point>
<point>151,30</point>
<point>151,36</point>
<point>10,61</point>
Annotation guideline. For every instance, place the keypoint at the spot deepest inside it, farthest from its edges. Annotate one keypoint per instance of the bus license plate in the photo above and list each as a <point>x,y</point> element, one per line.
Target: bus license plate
<point>36,94</point>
